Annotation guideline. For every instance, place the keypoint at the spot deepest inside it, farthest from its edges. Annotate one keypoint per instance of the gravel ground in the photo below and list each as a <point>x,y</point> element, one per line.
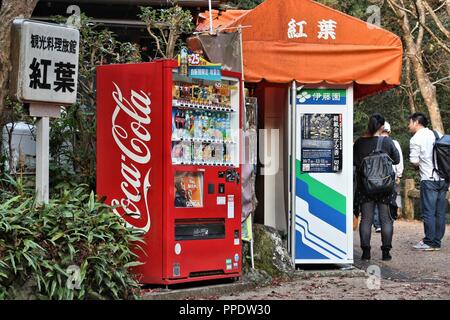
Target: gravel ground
<point>410,275</point>
<point>346,289</point>
<point>406,262</point>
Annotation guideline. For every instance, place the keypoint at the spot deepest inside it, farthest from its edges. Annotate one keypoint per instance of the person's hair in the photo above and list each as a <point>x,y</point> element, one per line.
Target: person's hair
<point>376,121</point>
<point>420,117</point>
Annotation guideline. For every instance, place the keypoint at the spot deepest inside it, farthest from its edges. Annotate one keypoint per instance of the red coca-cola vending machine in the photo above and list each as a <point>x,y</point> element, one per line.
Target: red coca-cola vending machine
<point>168,158</point>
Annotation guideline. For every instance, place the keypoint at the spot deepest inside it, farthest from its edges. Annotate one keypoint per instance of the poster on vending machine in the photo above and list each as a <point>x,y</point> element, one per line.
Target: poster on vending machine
<point>188,189</point>
<point>321,142</point>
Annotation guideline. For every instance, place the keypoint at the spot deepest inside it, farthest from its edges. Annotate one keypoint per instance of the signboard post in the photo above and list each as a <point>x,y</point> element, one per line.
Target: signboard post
<point>44,75</point>
<point>42,159</point>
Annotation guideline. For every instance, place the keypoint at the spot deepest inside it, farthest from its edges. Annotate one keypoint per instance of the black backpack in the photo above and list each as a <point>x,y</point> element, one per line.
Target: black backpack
<point>441,155</point>
<point>378,176</point>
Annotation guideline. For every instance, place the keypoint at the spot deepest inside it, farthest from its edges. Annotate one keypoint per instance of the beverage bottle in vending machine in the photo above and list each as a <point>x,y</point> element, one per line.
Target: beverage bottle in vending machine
<point>177,123</point>
<point>215,134</point>
<point>187,124</point>
<point>191,124</point>
<point>198,152</point>
<point>225,153</point>
<point>206,153</point>
<point>184,62</point>
<point>198,125</point>
<point>209,127</point>
<point>177,152</point>
<point>205,126</point>
<point>227,125</point>
<point>187,151</point>
<point>219,125</point>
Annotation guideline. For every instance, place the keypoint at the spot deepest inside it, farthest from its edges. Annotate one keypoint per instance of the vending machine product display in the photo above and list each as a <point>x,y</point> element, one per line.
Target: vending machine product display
<point>168,160</point>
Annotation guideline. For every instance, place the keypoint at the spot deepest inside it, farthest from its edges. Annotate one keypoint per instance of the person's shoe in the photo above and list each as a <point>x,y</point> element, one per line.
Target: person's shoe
<point>423,246</point>
<point>436,248</point>
<point>386,256</point>
<point>377,230</point>
<point>366,254</point>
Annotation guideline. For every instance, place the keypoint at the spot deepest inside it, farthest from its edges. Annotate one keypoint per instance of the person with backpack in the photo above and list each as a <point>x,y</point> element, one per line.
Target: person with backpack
<point>434,179</point>
<point>398,169</point>
<point>373,157</point>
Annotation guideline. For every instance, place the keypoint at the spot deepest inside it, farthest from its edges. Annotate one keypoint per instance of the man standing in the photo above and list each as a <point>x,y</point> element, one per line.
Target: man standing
<point>433,188</point>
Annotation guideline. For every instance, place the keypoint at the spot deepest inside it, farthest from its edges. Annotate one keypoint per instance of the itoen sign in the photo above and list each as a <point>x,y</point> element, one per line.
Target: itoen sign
<point>132,142</point>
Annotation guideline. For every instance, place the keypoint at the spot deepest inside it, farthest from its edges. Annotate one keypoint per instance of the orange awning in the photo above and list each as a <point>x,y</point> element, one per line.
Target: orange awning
<point>220,19</point>
<point>286,40</point>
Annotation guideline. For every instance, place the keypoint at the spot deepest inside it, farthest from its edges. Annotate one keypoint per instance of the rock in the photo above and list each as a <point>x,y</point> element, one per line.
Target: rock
<point>257,276</point>
<point>270,255</point>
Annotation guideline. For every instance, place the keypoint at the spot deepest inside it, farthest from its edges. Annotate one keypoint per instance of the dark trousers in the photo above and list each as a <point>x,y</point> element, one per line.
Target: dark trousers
<point>433,200</point>
<point>376,217</point>
<point>365,227</point>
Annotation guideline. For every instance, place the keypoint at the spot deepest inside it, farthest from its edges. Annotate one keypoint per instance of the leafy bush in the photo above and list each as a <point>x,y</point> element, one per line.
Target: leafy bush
<point>74,237</point>
<point>73,135</point>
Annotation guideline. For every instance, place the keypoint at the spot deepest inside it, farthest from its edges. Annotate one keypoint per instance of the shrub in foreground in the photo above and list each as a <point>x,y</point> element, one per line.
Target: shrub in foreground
<point>73,248</point>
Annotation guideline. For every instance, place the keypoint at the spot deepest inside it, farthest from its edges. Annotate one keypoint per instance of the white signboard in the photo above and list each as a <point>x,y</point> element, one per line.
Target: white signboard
<point>45,62</point>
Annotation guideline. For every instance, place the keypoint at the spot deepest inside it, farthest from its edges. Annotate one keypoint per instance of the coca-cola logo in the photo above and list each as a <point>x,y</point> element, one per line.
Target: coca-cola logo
<point>132,139</point>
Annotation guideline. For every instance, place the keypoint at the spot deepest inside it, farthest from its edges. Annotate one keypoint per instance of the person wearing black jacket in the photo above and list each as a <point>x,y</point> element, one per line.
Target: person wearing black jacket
<point>362,147</point>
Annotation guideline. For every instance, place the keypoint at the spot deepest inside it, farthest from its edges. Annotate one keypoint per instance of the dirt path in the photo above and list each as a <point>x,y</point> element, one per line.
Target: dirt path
<point>409,264</point>
<point>410,275</point>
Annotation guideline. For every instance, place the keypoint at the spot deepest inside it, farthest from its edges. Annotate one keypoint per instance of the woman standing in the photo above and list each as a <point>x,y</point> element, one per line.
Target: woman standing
<point>363,147</point>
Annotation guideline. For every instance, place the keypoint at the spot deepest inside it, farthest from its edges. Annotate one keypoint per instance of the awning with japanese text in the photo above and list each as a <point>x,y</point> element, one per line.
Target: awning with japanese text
<point>286,40</point>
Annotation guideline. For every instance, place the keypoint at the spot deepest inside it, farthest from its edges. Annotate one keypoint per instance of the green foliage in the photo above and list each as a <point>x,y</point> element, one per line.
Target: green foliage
<point>72,137</point>
<point>98,46</point>
<point>38,246</point>
<point>72,145</point>
<point>13,112</point>
<point>245,4</point>
<point>394,104</point>
<point>166,26</point>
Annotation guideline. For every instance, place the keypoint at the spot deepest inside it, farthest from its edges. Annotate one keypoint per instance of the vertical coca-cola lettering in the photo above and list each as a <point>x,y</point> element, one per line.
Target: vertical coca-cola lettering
<point>132,140</point>
<point>133,177</point>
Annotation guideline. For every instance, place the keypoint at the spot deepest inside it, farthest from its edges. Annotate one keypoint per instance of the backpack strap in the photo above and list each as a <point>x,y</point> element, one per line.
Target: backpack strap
<point>379,143</point>
<point>436,136</point>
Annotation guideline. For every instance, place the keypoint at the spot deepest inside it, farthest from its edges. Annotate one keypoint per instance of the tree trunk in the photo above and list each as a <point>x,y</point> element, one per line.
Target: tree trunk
<point>414,54</point>
<point>409,87</point>
<point>9,10</point>
<point>171,43</point>
<point>427,89</point>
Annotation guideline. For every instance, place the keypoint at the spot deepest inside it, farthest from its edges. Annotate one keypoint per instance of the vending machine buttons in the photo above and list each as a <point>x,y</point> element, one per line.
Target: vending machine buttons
<point>236,237</point>
<point>230,175</point>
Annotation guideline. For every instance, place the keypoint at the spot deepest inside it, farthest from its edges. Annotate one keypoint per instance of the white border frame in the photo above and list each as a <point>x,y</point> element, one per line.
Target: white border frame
<point>348,163</point>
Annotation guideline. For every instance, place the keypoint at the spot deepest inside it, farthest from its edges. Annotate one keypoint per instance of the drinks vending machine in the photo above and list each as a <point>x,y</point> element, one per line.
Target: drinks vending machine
<point>168,160</point>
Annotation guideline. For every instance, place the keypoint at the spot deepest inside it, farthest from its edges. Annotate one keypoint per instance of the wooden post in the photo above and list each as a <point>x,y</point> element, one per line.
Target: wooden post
<point>409,202</point>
